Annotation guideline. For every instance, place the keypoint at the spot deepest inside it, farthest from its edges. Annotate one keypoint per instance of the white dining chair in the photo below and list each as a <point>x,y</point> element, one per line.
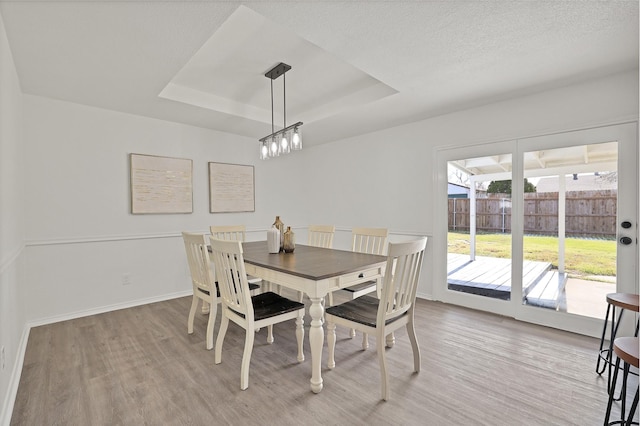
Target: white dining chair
<point>370,241</point>
<point>321,235</point>
<point>249,312</point>
<point>232,233</point>
<point>229,232</point>
<point>202,279</point>
<point>394,309</point>
<point>238,233</point>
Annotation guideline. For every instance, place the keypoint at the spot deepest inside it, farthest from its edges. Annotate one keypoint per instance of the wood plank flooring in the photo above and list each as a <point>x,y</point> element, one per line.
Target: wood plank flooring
<point>139,366</point>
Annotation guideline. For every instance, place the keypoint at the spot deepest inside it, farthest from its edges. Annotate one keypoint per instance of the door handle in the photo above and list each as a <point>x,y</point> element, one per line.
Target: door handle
<point>626,224</point>
<point>626,240</point>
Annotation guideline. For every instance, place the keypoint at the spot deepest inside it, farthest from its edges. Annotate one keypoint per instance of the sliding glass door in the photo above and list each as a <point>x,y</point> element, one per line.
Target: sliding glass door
<point>479,226</point>
<point>474,221</point>
<point>581,221</point>
<point>540,228</point>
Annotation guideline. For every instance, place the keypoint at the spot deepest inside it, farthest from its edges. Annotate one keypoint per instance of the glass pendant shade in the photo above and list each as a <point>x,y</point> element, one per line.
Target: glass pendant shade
<point>273,148</point>
<point>285,148</point>
<point>296,140</point>
<point>264,151</point>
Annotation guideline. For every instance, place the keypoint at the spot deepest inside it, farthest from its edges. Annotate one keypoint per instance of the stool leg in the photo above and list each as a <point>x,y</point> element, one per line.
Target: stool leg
<point>634,406</point>
<point>614,331</point>
<point>604,332</point>
<point>623,391</point>
<point>610,402</point>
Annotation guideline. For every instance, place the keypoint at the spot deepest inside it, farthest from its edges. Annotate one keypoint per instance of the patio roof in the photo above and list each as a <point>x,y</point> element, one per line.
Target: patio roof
<point>581,182</point>
<point>577,159</point>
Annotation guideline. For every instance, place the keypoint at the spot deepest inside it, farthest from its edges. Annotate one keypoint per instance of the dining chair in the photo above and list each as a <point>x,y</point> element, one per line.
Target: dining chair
<point>238,233</point>
<point>229,232</point>
<point>370,241</point>
<point>202,279</point>
<point>232,233</point>
<point>321,235</point>
<point>394,309</point>
<point>249,312</point>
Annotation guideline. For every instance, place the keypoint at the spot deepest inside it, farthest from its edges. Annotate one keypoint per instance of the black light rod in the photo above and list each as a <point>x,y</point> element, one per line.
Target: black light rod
<point>298,124</point>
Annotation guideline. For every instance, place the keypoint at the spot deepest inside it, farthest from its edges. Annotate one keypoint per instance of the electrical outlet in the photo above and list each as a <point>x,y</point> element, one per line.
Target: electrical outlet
<point>2,358</point>
<point>126,278</point>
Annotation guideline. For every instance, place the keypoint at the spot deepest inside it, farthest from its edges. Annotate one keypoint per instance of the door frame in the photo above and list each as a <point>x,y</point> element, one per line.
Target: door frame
<point>627,257</point>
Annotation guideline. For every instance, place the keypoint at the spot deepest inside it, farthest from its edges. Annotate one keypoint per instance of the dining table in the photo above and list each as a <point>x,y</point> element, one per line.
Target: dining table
<point>315,271</point>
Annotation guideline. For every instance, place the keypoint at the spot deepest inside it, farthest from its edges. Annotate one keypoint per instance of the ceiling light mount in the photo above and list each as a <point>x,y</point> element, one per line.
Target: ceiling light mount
<point>288,138</point>
<point>277,71</point>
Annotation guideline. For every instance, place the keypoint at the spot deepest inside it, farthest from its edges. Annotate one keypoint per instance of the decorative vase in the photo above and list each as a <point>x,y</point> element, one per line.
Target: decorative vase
<point>278,224</point>
<point>273,240</point>
<point>289,241</point>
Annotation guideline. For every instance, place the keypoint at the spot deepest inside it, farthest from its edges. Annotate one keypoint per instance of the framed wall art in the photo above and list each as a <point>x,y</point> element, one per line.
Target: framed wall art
<point>161,184</point>
<point>231,188</point>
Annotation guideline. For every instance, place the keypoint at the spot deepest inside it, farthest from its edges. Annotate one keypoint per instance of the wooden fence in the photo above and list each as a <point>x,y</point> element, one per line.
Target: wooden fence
<point>587,213</point>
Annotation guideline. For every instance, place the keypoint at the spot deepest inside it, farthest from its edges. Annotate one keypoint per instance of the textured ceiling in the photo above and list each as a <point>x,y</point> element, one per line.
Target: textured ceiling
<point>357,66</point>
<point>222,76</point>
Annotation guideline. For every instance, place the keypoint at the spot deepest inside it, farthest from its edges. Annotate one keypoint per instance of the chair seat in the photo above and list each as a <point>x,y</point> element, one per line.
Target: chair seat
<point>362,286</point>
<point>251,287</point>
<point>363,310</point>
<point>270,304</point>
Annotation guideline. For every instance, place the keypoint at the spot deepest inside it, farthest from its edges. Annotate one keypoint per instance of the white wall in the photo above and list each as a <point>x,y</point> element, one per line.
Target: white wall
<point>387,178</point>
<point>81,238</point>
<point>12,253</point>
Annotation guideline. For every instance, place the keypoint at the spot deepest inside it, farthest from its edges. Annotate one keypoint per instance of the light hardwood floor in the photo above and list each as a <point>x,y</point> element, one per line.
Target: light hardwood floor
<point>139,366</point>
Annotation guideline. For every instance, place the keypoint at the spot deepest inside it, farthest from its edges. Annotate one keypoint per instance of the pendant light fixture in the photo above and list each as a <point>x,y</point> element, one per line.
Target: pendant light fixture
<point>288,138</point>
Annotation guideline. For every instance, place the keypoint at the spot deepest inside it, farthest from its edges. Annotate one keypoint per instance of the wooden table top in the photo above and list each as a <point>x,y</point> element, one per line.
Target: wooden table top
<point>314,263</point>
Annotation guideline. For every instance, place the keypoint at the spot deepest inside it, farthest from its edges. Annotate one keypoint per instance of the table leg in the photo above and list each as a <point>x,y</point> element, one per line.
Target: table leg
<point>316,340</point>
<point>390,340</point>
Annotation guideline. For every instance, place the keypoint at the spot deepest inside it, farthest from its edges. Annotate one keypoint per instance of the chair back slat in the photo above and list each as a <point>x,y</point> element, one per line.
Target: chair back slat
<point>321,235</point>
<point>199,262</point>
<point>369,240</point>
<point>232,277</point>
<point>229,232</point>
<point>400,284</point>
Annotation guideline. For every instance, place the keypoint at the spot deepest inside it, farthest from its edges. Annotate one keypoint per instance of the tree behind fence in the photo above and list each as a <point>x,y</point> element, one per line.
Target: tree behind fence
<point>587,213</point>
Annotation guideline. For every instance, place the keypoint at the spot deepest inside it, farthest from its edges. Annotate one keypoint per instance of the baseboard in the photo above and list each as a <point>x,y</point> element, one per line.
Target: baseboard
<point>108,308</point>
<point>425,296</point>
<point>14,382</point>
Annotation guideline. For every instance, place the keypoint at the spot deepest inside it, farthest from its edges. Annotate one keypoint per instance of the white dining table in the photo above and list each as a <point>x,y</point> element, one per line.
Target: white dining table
<point>314,271</point>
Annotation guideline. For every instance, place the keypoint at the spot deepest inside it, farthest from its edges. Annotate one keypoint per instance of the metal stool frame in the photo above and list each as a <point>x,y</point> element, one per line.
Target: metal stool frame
<point>606,354</point>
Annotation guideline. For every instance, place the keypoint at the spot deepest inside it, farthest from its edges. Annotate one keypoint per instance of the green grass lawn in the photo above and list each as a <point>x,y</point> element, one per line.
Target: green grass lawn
<point>583,257</point>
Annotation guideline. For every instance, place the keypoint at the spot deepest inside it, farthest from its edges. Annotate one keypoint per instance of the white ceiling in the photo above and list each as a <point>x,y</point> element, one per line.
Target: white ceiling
<point>357,66</point>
